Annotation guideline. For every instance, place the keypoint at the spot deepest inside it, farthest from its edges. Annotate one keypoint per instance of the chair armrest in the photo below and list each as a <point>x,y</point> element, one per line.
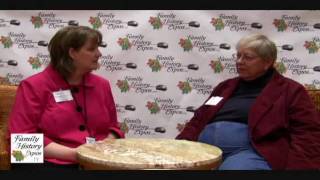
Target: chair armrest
<point>5,161</point>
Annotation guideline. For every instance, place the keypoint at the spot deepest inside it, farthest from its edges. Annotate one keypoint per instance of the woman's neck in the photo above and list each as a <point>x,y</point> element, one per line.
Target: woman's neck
<point>75,78</point>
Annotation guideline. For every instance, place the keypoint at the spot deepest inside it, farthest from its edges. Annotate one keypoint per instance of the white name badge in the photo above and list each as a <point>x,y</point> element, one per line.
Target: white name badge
<point>90,140</point>
<point>62,95</point>
<point>26,148</point>
<point>214,100</point>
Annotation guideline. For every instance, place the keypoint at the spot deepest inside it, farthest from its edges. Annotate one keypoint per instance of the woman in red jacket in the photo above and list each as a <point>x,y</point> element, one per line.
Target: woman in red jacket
<point>260,119</point>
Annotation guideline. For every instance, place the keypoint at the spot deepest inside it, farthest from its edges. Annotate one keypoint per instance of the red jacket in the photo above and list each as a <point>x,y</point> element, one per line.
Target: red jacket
<point>36,111</point>
<point>283,123</point>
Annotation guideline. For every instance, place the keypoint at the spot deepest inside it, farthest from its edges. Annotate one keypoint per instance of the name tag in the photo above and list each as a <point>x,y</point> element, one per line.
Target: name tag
<point>90,140</point>
<point>62,95</point>
<point>214,100</point>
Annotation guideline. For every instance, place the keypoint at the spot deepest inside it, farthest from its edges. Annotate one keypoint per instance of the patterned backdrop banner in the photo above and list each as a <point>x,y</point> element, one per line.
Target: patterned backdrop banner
<point>162,65</point>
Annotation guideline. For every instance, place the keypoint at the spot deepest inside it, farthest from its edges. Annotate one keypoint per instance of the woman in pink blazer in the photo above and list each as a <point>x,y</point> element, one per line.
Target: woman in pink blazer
<point>66,102</point>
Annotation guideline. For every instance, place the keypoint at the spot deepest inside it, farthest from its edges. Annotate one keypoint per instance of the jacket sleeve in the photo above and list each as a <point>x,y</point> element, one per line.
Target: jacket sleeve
<point>194,127</point>
<point>114,125</point>
<point>26,112</point>
<point>304,130</point>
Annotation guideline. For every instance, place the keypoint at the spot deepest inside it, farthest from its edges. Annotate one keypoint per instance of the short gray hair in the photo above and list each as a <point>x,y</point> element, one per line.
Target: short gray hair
<point>260,44</point>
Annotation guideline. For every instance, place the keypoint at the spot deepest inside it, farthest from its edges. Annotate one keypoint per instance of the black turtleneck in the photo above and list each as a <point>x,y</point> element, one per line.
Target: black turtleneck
<point>237,107</point>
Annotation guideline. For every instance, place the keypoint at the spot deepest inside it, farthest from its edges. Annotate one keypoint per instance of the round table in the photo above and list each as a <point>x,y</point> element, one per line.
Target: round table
<point>145,154</point>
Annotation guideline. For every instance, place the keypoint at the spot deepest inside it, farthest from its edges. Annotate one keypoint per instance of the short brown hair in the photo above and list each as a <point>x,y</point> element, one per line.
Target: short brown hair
<point>66,38</point>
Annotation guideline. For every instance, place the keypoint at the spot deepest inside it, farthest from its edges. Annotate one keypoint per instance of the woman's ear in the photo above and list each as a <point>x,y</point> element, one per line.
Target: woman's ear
<point>72,53</point>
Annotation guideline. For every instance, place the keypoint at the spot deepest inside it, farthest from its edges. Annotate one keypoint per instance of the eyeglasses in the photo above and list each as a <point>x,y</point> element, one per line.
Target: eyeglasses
<point>246,57</point>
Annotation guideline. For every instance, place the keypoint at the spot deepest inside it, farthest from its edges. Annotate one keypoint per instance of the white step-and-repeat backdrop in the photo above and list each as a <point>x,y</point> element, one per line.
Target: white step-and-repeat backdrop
<point>162,65</point>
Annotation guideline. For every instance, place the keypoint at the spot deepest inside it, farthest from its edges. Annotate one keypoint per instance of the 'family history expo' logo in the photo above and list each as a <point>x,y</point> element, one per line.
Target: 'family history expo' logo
<point>51,20</point>
<point>200,42</point>
<point>313,45</point>
<point>6,41</point>
<point>110,21</point>
<point>21,40</point>
<point>110,64</point>
<point>170,64</point>
<point>197,84</point>
<point>26,148</point>
<point>167,106</point>
<point>293,65</point>
<point>222,63</point>
<point>37,61</point>
<point>171,20</point>
<point>294,23</point>
<point>131,40</point>
<point>137,128</point>
<point>233,22</point>
<point>137,84</point>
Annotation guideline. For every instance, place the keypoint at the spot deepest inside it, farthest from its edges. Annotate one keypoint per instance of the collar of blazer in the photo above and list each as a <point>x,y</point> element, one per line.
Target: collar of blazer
<point>266,99</point>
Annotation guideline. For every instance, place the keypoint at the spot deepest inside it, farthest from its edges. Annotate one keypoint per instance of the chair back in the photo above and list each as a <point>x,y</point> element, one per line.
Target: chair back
<point>7,98</point>
<point>315,96</point>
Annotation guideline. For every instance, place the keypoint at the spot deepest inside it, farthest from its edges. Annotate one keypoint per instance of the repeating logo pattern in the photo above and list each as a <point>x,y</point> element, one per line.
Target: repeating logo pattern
<point>180,126</point>
<point>51,20</point>
<point>35,62</point>
<point>234,23</point>
<point>153,107</point>
<point>95,22</point>
<point>202,44</point>
<point>110,21</point>
<point>136,127</point>
<point>138,85</point>
<point>36,21</point>
<point>21,40</point>
<point>198,84</point>
<point>162,57</point>
<point>185,87</point>
<point>217,23</point>
<point>292,65</point>
<point>171,21</point>
<point>154,64</point>
<point>124,43</point>
<point>110,63</point>
<point>138,41</point>
<point>156,22</point>
<point>167,107</point>
<point>280,67</point>
<point>216,66</point>
<point>313,45</point>
<point>280,24</point>
<point>170,64</point>
<point>6,41</point>
<point>294,23</point>
<point>186,44</point>
<point>123,85</point>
